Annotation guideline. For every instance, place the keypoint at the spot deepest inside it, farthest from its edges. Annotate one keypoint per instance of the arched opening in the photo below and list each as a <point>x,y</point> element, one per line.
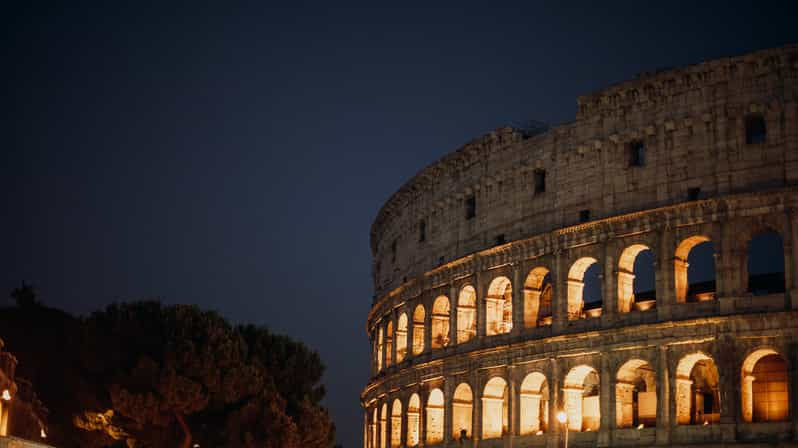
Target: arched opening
<point>581,396</point>
<point>389,344</point>
<point>380,347</point>
<point>462,412</point>
<point>584,289</point>
<point>636,395</point>
<point>435,417</point>
<point>636,290</point>
<point>494,408</point>
<point>466,314</point>
<point>401,338</point>
<point>766,264</point>
<point>764,387</point>
<point>440,322</point>
<point>413,420</point>
<point>374,425</point>
<point>537,298</point>
<point>694,270</point>
<point>499,307</point>
<point>418,329</point>
<point>384,426</point>
<point>534,404</point>
<point>396,424</point>
<point>697,391</point>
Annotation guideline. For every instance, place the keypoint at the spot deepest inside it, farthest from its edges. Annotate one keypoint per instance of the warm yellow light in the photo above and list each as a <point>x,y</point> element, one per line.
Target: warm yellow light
<point>640,426</point>
<point>562,417</point>
<point>6,395</point>
<point>42,433</point>
<point>539,433</point>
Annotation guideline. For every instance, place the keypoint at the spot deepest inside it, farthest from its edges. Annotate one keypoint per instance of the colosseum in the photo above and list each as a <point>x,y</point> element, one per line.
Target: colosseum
<point>626,279</point>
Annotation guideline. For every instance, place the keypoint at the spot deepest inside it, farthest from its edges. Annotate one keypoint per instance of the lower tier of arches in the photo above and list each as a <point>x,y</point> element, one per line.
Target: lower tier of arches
<point>731,379</point>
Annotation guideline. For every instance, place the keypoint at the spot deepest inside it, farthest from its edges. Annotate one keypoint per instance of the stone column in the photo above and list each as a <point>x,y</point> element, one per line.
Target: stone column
<point>422,418</point>
<point>606,402</point>
<point>793,388</point>
<point>555,385</point>
<point>482,294</point>
<point>452,316</point>
<point>789,260</point>
<point>427,329</point>
<point>513,416</point>
<point>664,401</point>
<point>727,275</point>
<point>448,397</point>
<point>518,300</point>
<point>476,425</point>
<point>624,402</point>
<point>389,425</point>
<point>794,287</point>
<point>609,285</point>
<point>664,278</point>
<point>559,304</point>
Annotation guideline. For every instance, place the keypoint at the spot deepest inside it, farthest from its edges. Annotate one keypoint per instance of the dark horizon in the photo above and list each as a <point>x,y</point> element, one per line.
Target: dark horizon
<point>235,156</point>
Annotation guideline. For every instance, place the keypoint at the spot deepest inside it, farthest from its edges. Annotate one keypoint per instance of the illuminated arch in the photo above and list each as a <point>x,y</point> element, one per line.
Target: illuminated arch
<point>682,282</point>
<point>440,322</point>
<point>462,411</point>
<point>499,307</point>
<point>626,277</point>
<point>418,329</point>
<point>537,298</point>
<point>697,390</point>
<point>413,420</point>
<point>534,404</point>
<point>581,397</point>
<point>435,416</point>
<point>764,387</point>
<point>764,266</point>
<point>636,395</point>
<point>396,424</point>
<point>401,338</point>
<point>466,314</point>
<point>576,285</point>
<point>494,408</point>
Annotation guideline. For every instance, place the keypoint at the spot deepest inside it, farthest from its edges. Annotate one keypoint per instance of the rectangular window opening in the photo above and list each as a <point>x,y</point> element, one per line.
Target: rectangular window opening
<point>422,231</point>
<point>755,129</point>
<point>637,153</point>
<point>500,239</point>
<point>693,193</point>
<point>393,251</point>
<point>584,215</point>
<point>540,181</point>
<point>471,207</point>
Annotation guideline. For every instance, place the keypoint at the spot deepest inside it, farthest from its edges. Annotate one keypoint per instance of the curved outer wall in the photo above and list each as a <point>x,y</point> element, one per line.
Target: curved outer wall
<point>700,178</point>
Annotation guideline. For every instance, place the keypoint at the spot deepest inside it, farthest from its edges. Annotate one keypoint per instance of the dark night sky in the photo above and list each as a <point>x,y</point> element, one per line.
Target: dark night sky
<point>234,156</point>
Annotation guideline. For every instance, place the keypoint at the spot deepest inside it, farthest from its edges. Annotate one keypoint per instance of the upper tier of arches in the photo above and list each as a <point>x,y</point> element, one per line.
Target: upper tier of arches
<point>732,265</point>
<point>679,136</point>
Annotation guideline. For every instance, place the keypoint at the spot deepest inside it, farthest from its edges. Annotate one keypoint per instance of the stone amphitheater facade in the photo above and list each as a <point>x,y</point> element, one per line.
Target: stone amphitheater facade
<point>480,331</point>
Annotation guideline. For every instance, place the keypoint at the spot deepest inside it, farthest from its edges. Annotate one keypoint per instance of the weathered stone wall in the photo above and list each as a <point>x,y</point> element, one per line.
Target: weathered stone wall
<point>692,124</point>
<point>691,121</point>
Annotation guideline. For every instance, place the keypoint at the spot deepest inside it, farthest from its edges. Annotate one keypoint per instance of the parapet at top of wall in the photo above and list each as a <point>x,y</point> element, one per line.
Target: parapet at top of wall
<point>651,90</point>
